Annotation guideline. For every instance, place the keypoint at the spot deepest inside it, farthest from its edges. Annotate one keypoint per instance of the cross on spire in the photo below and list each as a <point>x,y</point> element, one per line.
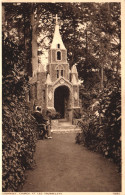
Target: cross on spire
<point>56,19</point>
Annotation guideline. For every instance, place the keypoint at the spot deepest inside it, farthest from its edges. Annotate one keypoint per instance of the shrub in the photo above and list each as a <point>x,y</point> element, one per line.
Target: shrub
<point>54,114</point>
<point>18,126</point>
<point>77,113</point>
<point>18,143</point>
<point>101,129</point>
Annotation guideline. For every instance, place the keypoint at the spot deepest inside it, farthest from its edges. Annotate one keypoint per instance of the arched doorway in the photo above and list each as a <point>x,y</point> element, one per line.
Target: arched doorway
<point>61,101</point>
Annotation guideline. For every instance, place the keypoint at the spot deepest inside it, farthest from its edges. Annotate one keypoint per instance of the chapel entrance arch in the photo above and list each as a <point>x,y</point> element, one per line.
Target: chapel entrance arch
<point>62,100</point>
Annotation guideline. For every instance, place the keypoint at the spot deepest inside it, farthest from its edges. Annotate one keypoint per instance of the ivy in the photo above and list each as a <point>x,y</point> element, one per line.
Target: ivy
<point>18,126</point>
<point>101,127</point>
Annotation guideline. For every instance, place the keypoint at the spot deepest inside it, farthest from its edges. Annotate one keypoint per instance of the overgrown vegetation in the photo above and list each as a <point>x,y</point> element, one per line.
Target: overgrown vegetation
<point>101,127</point>
<point>54,115</point>
<point>19,128</point>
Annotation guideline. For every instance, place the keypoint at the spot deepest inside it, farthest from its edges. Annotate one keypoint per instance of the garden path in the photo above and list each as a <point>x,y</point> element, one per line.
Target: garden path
<point>64,166</point>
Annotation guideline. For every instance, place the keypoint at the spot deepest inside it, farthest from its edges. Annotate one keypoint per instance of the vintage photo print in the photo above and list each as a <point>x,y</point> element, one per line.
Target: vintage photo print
<point>62,73</point>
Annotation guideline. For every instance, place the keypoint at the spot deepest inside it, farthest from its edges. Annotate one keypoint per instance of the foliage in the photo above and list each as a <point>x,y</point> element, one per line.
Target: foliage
<point>18,129</point>
<point>54,114</point>
<point>17,27</point>
<point>101,130</point>
<point>18,143</point>
<point>94,28</point>
<point>77,113</point>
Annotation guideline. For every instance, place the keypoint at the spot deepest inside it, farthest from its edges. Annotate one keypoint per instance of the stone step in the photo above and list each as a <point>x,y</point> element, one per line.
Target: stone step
<point>65,127</point>
<point>63,120</point>
<point>66,130</point>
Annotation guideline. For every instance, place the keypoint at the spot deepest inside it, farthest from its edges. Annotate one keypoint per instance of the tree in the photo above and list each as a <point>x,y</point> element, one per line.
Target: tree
<point>92,28</point>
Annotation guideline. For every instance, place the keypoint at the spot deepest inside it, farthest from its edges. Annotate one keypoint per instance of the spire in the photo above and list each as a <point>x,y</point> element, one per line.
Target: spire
<point>74,81</point>
<point>74,69</point>
<point>48,80</point>
<point>57,39</point>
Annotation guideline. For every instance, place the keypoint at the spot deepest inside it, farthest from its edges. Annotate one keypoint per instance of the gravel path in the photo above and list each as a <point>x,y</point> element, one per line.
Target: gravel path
<point>64,166</point>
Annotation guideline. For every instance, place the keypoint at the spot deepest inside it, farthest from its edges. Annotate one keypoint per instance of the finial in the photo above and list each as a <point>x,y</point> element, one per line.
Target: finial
<point>48,80</point>
<point>56,19</point>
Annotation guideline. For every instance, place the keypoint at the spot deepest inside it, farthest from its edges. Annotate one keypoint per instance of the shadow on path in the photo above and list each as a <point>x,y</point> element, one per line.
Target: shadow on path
<point>64,166</point>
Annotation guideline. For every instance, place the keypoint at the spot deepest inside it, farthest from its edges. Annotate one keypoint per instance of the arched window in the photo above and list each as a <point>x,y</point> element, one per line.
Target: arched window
<point>58,45</point>
<point>59,70</point>
<point>57,73</point>
<point>62,73</point>
<point>58,55</point>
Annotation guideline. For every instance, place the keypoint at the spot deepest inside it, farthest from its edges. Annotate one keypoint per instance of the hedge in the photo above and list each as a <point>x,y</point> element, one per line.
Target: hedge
<point>101,128</point>
<point>18,126</point>
<point>18,143</point>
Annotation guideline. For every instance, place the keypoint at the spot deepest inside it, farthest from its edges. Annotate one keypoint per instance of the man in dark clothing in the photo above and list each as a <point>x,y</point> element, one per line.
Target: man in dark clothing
<point>46,116</point>
<point>41,122</point>
<point>38,115</point>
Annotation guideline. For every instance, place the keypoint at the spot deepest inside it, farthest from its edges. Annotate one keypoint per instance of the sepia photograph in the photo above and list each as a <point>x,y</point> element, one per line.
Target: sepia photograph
<point>61,97</point>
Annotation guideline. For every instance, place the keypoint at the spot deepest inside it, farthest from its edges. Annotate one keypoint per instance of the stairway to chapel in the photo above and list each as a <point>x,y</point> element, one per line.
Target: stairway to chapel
<point>65,126</point>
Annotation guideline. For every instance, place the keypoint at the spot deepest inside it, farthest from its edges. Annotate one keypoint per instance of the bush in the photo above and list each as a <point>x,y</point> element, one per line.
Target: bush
<point>54,114</point>
<point>77,113</point>
<point>101,129</point>
<point>18,143</point>
<point>18,126</point>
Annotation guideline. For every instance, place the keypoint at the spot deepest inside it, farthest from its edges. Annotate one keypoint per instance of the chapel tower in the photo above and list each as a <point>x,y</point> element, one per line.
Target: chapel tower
<point>62,84</point>
<point>57,57</point>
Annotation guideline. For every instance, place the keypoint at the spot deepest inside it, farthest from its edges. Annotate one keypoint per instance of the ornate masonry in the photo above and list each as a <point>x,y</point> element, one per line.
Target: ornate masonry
<point>58,88</point>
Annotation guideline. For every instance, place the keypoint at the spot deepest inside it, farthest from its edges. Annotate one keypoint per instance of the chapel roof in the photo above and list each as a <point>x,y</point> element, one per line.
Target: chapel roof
<point>57,39</point>
<point>74,81</point>
<point>48,79</point>
<point>74,69</point>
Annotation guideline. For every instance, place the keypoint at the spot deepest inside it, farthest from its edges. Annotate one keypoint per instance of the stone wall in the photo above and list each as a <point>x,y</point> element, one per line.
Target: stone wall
<point>76,95</point>
<point>52,70</point>
<point>53,56</point>
<point>49,96</point>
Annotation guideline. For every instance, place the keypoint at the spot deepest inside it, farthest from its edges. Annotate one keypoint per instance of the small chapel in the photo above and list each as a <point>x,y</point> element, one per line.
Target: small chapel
<point>57,88</point>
